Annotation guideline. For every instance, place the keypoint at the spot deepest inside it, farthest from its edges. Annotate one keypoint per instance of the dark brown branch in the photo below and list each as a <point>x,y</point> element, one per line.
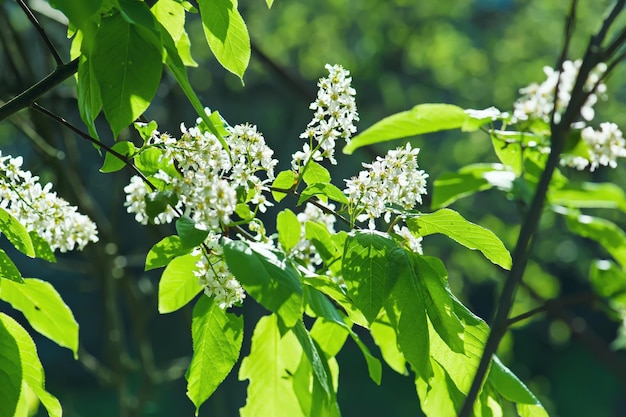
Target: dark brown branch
<point>28,97</point>
<point>42,32</point>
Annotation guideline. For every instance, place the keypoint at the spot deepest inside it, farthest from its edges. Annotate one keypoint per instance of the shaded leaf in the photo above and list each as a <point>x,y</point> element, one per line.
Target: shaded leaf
<point>267,277</point>
<point>8,270</point>
<point>609,235</point>
<point>113,163</point>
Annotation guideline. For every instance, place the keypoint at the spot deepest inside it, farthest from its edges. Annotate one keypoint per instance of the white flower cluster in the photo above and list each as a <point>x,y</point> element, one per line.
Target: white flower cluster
<point>205,179</point>
<point>39,209</point>
<point>537,101</point>
<point>334,117</point>
<point>392,180</point>
<point>413,242</point>
<point>305,252</point>
<point>216,278</point>
<point>604,146</point>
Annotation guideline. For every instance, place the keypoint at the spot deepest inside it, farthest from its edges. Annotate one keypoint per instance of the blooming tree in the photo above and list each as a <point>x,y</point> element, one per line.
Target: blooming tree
<point>353,254</point>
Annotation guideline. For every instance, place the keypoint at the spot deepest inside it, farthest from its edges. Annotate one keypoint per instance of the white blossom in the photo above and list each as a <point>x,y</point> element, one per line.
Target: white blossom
<point>413,242</point>
<point>305,252</point>
<point>537,101</point>
<point>216,278</point>
<point>604,145</point>
<point>392,180</point>
<point>39,209</point>
<point>334,116</point>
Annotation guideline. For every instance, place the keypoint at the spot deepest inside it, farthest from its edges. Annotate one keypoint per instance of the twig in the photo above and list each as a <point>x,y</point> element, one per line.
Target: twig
<point>42,32</point>
<point>26,98</point>
<point>96,142</point>
<point>313,201</point>
<point>585,298</point>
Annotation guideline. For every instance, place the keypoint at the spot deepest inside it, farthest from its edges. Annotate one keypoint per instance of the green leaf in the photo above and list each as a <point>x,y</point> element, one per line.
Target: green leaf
<point>423,118</point>
<point>178,285</point>
<point>157,202</point>
<point>190,236</point>
<point>325,189</point>
<point>32,374</point>
<point>609,235</point>
<point>589,195</point>
<point>176,66</point>
<point>318,234</point>
<point>145,130</point>
<point>78,12</point>
<point>149,161</point>
<point>385,338</point>
<point>217,337</point>
<point>439,396</point>
<point>226,34</point>
<point>365,271</point>
<point>10,371</point>
<point>452,224</point>
<point>8,270</point>
<point>315,359</point>
<point>323,308</point>
<point>269,3</point>
<point>164,251</point>
<point>183,46</point>
<point>267,277</point>
<point>438,300</point>
<point>407,314</point>
<point>338,294</point>
<point>171,14</point>
<point>44,309</point>
<point>508,148</point>
<point>272,362</point>
<point>288,228</point>
<point>127,66</point>
<point>469,180</point>
<point>609,280</point>
<point>112,163</point>
<point>88,92</point>
<point>315,173</point>
<point>16,233</point>
<point>329,335</point>
<point>42,247</point>
<point>508,385</point>
<point>285,180</point>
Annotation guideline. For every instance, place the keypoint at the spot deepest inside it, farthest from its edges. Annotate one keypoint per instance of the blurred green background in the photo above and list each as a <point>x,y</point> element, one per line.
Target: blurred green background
<point>401,53</point>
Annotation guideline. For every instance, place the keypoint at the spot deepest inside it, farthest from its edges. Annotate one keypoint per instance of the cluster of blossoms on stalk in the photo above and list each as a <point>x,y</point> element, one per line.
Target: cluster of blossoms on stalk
<point>206,179</point>
<point>334,116</point>
<point>40,210</point>
<point>305,251</point>
<point>389,182</point>
<point>537,102</point>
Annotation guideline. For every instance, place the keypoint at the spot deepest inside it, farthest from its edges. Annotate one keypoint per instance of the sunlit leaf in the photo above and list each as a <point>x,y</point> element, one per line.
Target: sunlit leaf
<point>423,118</point>
<point>127,65</point>
<point>226,33</point>
<point>452,224</point>
<point>510,387</point>
<point>324,189</point>
<point>32,371</point>
<point>270,367</point>
<point>16,233</point>
<point>112,163</point>
<point>164,251</point>
<point>285,180</point>
<point>178,285</point>
<point>288,228</point>
<point>10,371</point>
<point>217,337</point>
<point>44,309</point>
<point>315,173</point>
<point>315,358</point>
<point>609,235</point>
<point>589,195</point>
<point>366,271</point>
<point>8,270</point>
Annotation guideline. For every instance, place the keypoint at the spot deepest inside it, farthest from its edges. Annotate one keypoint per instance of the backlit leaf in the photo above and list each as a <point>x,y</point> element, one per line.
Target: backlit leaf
<point>217,337</point>
<point>16,233</point>
<point>178,285</point>
<point>423,118</point>
<point>164,251</point>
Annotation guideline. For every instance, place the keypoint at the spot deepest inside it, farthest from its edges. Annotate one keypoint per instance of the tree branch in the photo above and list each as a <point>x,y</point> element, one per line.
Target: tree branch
<point>28,97</point>
<point>522,249</point>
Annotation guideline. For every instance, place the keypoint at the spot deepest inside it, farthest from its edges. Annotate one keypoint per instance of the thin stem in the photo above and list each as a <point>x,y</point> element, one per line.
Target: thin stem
<point>26,98</point>
<point>586,298</point>
<point>96,142</point>
<point>42,32</point>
